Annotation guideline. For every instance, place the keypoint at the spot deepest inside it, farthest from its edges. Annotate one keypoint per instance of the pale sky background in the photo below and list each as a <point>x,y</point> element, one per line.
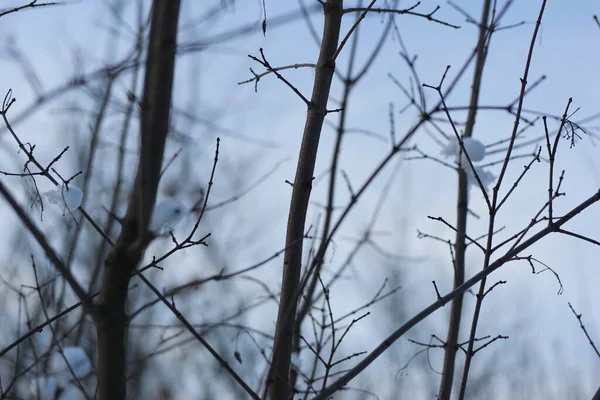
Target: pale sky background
<point>268,127</point>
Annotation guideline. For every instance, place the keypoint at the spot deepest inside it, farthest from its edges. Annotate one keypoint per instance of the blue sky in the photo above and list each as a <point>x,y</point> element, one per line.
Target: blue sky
<point>268,127</point>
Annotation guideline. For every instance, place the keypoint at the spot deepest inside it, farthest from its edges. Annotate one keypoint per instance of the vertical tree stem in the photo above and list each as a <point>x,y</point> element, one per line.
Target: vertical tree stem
<point>128,251</point>
<point>451,345</point>
<point>278,379</point>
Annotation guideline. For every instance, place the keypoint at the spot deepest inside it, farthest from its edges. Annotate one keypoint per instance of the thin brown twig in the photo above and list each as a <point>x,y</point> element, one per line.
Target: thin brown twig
<point>582,326</point>
<point>257,77</point>
<point>407,11</point>
<point>352,29</point>
<point>32,4</point>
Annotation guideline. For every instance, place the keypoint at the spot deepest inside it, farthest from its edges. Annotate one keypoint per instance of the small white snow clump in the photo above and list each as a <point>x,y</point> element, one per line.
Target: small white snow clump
<point>476,151</point>
<point>166,215</point>
<point>451,148</point>
<point>70,197</point>
<point>486,177</point>
<point>473,147</point>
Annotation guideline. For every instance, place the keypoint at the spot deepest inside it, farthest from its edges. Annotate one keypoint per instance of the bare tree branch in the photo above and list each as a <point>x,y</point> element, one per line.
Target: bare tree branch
<point>278,380</point>
<point>134,237</point>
